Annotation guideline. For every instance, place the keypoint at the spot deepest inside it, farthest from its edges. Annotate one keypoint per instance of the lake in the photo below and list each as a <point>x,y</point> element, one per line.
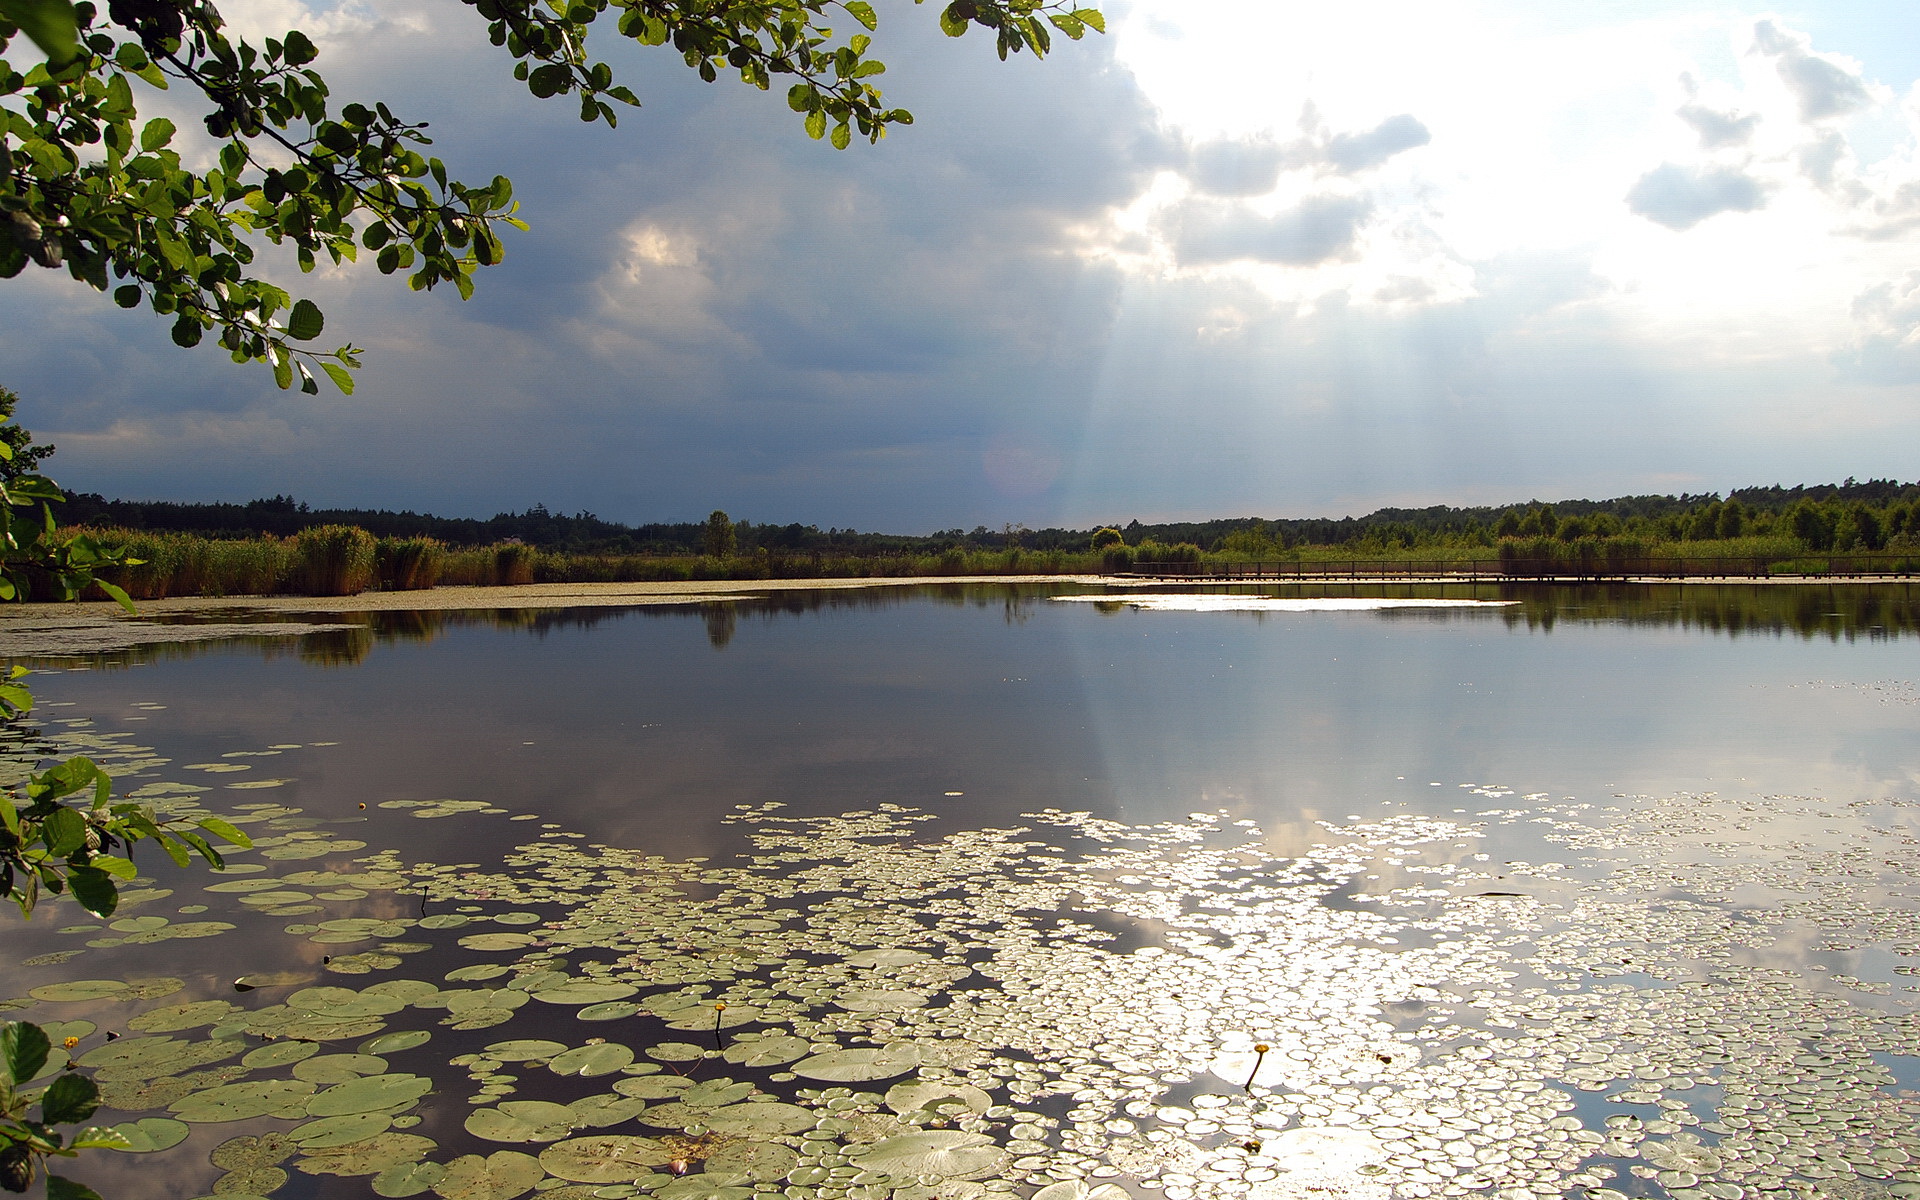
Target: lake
<point>909,893</point>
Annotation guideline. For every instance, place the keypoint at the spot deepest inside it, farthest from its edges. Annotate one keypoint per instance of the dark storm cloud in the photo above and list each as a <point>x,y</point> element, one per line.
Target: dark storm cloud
<point>796,333</point>
<point>1682,197</point>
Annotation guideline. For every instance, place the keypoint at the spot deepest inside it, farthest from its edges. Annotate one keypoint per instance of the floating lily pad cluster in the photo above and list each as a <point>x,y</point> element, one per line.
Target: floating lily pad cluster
<point>1078,1009</point>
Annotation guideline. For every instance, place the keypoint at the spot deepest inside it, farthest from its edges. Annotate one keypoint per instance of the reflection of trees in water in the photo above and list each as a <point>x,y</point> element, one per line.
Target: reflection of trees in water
<point>720,622</point>
<point>1833,611</point>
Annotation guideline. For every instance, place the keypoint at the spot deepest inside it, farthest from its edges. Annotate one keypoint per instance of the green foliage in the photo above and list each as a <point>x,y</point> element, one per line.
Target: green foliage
<point>25,1143</point>
<point>1105,538</point>
<point>718,537</point>
<point>85,184</point>
<point>26,457</point>
<point>47,845</point>
<point>409,564</point>
<point>513,564</point>
<point>333,560</point>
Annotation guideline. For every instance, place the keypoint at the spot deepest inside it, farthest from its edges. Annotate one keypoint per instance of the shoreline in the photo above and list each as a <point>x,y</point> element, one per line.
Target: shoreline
<point>59,629</point>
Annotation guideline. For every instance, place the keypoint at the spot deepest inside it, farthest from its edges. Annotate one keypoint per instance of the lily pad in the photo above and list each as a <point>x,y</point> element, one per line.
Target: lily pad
<point>889,957</point>
<point>769,1052</point>
<point>525,1050</point>
<point>393,1043</point>
<point>585,992</point>
<point>602,1059</point>
<point>408,1179</point>
<point>244,1101</point>
<point>703,1187</point>
<point>150,1134</point>
<point>604,1158</point>
<point>676,1051</point>
<point>497,941</point>
<point>502,1175</point>
<point>762,1162</point>
<point>245,1152</point>
<point>946,1096</point>
<point>521,1121</point>
<point>369,1157</point>
<point>339,1068</point>
<point>877,999</point>
<point>476,972</point>
<point>381,1093</point>
<point>607,1108</point>
<point>77,990</point>
<point>339,1131</point>
<point>708,1016</point>
<point>613,1010</point>
<point>932,1153</point>
<point>760,1120</point>
<point>279,1054</point>
<point>653,1087</point>
<point>855,1066</point>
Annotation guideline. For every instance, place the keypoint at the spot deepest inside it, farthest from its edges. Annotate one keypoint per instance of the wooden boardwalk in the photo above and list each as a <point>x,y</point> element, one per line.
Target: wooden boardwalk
<point>1815,568</point>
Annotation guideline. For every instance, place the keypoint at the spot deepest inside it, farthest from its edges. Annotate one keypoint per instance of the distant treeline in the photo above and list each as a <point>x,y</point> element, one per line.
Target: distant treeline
<point>1825,517</point>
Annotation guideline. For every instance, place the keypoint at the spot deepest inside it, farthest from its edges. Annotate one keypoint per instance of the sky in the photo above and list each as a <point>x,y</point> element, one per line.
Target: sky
<point>1235,257</point>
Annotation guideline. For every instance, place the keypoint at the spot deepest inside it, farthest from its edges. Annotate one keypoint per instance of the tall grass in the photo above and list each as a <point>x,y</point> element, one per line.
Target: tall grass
<point>408,564</point>
<point>332,560</point>
<point>342,560</point>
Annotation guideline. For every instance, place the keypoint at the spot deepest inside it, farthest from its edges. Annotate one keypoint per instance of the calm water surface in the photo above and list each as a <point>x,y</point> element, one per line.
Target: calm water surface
<point>1720,780</point>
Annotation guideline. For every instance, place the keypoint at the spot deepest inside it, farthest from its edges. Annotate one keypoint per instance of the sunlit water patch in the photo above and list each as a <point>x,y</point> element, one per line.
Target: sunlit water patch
<point>871,1005</point>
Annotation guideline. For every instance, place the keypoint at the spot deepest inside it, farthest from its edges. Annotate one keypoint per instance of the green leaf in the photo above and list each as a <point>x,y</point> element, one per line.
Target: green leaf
<point>817,124</point>
<point>52,25</point>
<point>94,890</point>
<point>841,136</point>
<point>548,80</point>
<point>127,295</point>
<point>65,832</point>
<point>66,1189</point>
<point>23,1050</point>
<point>342,378</point>
<point>862,12</point>
<point>99,1137</point>
<point>306,321</point>
<point>114,865</point>
<point>282,368</point>
<point>69,1100</point>
<point>225,831</point>
<point>158,132</point>
<point>299,51</point>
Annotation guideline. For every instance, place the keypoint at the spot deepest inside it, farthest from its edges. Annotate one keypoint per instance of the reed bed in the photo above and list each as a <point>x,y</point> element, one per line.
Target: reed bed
<point>342,560</point>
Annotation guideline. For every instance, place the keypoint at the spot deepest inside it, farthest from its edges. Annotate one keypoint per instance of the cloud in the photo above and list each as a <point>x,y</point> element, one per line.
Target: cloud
<point>1236,166</point>
<point>1682,197</point>
<point>1354,152</point>
<point>1719,130</point>
<point>1823,87</point>
<point>1318,229</point>
<point>1887,348</point>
